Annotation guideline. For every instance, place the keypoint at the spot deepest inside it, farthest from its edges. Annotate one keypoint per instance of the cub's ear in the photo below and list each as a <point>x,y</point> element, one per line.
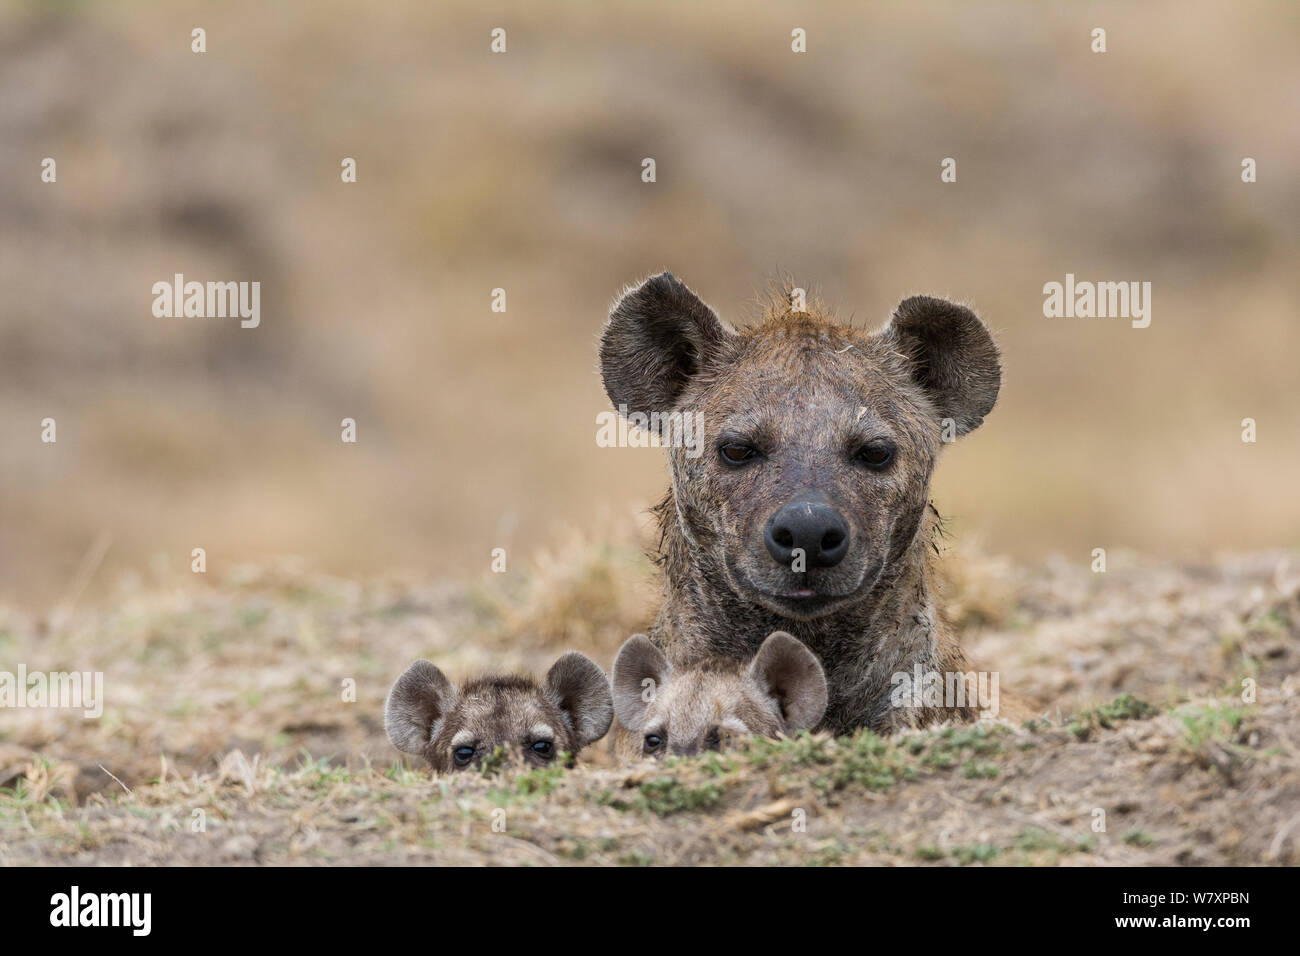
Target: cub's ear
<point>659,336</point>
<point>638,660</point>
<point>577,685</point>
<point>952,355</point>
<point>417,704</point>
<point>792,676</point>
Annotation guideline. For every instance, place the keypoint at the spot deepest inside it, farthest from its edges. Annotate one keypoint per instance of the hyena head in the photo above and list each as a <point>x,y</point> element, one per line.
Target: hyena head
<point>455,728</point>
<point>818,439</point>
<point>686,710</point>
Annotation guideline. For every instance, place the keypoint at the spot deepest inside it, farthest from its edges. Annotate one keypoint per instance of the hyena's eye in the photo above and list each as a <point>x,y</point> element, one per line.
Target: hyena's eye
<point>737,453</point>
<point>544,749</point>
<point>462,755</point>
<point>876,454</point>
<point>653,742</point>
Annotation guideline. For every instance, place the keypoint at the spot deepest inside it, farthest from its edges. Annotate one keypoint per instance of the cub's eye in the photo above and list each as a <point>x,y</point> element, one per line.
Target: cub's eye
<point>877,454</point>
<point>653,742</point>
<point>462,755</point>
<point>544,748</point>
<point>736,453</point>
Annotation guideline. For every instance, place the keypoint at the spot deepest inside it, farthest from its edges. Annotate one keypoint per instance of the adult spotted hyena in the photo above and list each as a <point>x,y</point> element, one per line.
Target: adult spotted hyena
<point>808,509</point>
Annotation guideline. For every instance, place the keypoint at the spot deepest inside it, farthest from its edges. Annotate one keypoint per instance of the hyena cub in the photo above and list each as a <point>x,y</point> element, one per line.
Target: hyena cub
<point>454,728</point>
<point>685,710</point>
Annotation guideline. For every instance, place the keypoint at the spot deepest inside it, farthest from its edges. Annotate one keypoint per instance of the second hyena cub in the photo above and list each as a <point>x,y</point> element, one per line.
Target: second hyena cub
<point>454,728</point>
<point>685,710</point>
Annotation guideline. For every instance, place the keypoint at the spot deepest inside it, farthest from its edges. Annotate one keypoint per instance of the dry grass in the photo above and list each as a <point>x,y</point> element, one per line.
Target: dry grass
<point>227,700</point>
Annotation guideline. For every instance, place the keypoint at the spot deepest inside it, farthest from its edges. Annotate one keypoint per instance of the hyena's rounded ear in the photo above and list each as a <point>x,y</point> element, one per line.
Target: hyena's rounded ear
<point>788,672</point>
<point>576,684</point>
<point>952,357</point>
<point>659,335</point>
<point>419,701</point>
<point>639,661</point>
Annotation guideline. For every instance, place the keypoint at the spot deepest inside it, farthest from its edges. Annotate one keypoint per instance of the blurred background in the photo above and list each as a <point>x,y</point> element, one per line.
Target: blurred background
<point>523,171</point>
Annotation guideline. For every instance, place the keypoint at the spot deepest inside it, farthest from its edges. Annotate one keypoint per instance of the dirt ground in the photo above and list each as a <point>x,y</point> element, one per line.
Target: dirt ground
<point>1166,696</point>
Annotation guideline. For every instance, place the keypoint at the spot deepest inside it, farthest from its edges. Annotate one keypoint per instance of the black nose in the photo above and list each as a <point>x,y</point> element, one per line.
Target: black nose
<point>813,525</point>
